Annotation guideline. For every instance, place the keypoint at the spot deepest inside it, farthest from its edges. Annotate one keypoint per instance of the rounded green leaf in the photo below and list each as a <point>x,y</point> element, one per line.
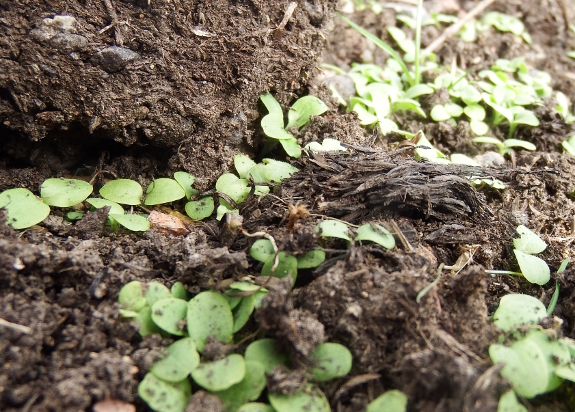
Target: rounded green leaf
<point>554,352</point>
<point>244,286</point>
<point>24,209</point>
<point>470,95</point>
<point>163,396</point>
<point>73,216</point>
<point>309,400</point>
<point>200,209</point>
<point>516,309</point>
<point>377,234</point>
<point>249,389</point>
<point>64,192</point>
<point>163,190</point>
<point>242,312</point>
<point>276,171</point>
<point>529,242</point>
<point>391,401</point>
<point>256,407</point>
<point>131,296</point>
<point>311,259</point>
<point>155,292</point>
<point>243,164</point>
<point>418,90</point>
<point>181,360</point>
<point>488,140</point>
<point>115,209</point>
<point>459,159</point>
<point>271,103</point>
<point>186,180</point>
<point>453,109</point>
<point>333,361</point>
<point>122,191</point>
<point>534,269</point>
<point>135,223</point>
<point>292,147</point>
<point>566,372</point>
<point>262,250</point>
<point>305,107</point>
<point>264,351</point>
<point>439,114</point>
<point>287,265</point>
<point>209,314</point>
<point>478,127</point>
<point>333,228</point>
<point>168,315</point>
<point>144,319</point>
<point>233,186</point>
<point>178,291</point>
<point>520,143</point>
<point>475,112</point>
<point>220,374</point>
<point>525,366</point>
<point>273,126</point>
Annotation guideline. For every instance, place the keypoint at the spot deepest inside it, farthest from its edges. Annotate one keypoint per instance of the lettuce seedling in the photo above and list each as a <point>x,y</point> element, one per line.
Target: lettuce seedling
<point>24,209</point>
<point>163,190</point>
<point>64,192</point>
<point>123,191</point>
<point>186,180</point>
<point>534,269</point>
<point>209,313</point>
<point>505,146</point>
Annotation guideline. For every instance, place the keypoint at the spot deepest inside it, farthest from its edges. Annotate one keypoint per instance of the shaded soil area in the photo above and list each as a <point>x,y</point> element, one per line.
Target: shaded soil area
<point>199,70</point>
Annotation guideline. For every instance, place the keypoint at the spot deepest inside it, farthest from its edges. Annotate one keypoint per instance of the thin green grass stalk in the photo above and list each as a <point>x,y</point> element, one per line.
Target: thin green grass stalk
<point>426,289</point>
<point>418,18</point>
<point>382,45</point>
<point>553,301</point>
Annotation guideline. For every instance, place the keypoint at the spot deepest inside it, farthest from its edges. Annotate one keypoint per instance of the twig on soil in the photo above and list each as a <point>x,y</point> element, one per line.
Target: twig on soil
<point>455,345</point>
<point>114,16</point>
<point>280,29</point>
<point>15,326</point>
<point>397,231</point>
<point>454,28</point>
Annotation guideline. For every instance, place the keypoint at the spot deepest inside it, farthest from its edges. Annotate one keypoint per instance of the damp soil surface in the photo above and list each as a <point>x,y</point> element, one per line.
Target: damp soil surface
<point>138,89</point>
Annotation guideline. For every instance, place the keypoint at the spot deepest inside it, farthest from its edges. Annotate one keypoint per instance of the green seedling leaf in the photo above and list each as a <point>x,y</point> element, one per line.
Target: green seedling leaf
<point>526,117</point>
<point>272,125</point>
<point>453,109</point>
<point>259,296</point>
<point>74,216</point>
<point>256,407</point>
<point>131,296</point>
<point>439,113</point>
<point>200,209</point>
<point>509,403</point>
<point>426,150</point>
<point>443,81</point>
<point>333,361</point>
<point>262,250</point>
<point>391,401</point>
<point>224,208</point>
<point>516,309</point>
<point>525,366</point>
<point>249,389</point>
<point>305,107</point>
<point>408,104</point>
<point>168,315</point>
<point>470,95</point>
<point>233,301</point>
<point>311,259</point>
<point>529,242</point>
<point>135,223</point>
<point>163,396</point>
<point>474,111</point>
<point>460,159</point>
<point>554,353</point>
<point>276,171</point>
<point>178,291</point>
<point>291,147</point>
<point>563,266</point>
<point>502,111</point>
<point>258,174</point>
<point>122,191</point>
<point>264,351</point>
<point>478,127</point>
<point>209,314</point>
<point>333,228</point>
<point>468,32</point>
<point>365,117</point>
<point>503,94</point>
<point>144,319</point>
<point>24,209</point>
<point>244,286</point>
<point>271,104</point>
<point>287,266</point>
<point>115,209</point>
<point>243,164</point>
<point>186,180</point>
<point>310,400</point>
<point>155,292</point>
<point>181,360</point>
<point>418,90</point>
<point>233,186</point>
<point>489,140</point>
<point>64,192</point>
<point>377,234</point>
<point>220,374</point>
<point>242,312</point>
<point>163,190</point>
<point>534,269</point>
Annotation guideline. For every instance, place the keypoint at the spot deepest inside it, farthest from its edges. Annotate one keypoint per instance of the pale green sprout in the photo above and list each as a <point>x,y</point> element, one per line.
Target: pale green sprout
<point>562,107</point>
<point>132,222</point>
<point>186,180</point>
<point>23,208</point>
<point>508,403</point>
<point>375,233</point>
<point>332,361</point>
<point>333,228</point>
<point>569,145</point>
<point>505,146</point>
<point>328,145</point>
<point>504,23</point>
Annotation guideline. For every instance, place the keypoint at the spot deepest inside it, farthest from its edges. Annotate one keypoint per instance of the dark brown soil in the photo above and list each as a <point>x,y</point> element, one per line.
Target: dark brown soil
<point>189,101</point>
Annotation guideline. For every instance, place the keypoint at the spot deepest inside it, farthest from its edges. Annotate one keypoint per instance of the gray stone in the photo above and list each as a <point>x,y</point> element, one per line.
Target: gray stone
<point>50,27</point>
<point>68,42</point>
<point>113,59</point>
